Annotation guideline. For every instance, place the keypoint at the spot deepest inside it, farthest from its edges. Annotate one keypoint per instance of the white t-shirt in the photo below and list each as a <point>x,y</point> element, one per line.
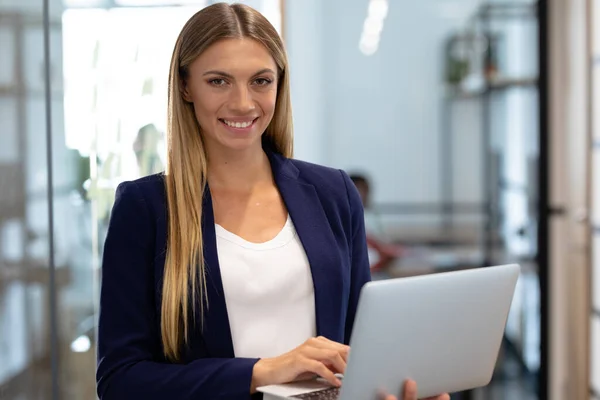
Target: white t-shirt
<point>269,292</point>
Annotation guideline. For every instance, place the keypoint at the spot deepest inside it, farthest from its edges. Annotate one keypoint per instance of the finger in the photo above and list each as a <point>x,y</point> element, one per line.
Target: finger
<point>307,376</point>
<point>410,390</point>
<point>330,358</point>
<point>440,397</point>
<point>323,342</point>
<point>383,396</point>
<point>320,369</point>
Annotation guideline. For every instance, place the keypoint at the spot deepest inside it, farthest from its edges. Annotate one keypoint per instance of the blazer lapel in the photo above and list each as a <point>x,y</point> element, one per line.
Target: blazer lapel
<point>216,330</point>
<point>315,233</point>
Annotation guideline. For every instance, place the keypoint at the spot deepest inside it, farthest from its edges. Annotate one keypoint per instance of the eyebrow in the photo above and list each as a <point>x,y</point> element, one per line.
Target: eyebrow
<point>225,74</point>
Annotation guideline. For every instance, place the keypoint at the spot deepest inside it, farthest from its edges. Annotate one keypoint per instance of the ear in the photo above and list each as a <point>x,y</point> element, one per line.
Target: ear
<point>185,91</point>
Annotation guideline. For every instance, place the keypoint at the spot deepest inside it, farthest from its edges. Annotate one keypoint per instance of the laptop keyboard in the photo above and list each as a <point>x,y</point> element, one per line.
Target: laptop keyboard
<point>325,394</point>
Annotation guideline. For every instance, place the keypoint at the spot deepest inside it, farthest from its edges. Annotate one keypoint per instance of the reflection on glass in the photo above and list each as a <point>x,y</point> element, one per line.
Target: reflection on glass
<point>115,65</point>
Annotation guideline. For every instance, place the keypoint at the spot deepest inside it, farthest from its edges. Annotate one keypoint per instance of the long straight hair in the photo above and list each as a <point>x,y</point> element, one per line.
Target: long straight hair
<point>184,273</point>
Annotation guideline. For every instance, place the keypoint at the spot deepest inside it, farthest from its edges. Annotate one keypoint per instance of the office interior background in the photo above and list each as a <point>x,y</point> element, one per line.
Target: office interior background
<point>476,122</point>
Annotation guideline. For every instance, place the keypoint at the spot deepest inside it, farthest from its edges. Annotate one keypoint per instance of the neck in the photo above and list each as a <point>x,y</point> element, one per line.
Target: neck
<point>239,170</point>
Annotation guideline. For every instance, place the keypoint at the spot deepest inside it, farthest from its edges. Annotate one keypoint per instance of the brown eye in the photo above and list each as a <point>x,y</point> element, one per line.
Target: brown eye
<point>217,82</point>
<point>263,82</point>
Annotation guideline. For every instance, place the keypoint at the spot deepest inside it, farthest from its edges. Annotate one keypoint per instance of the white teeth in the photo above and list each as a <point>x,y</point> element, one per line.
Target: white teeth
<point>238,124</point>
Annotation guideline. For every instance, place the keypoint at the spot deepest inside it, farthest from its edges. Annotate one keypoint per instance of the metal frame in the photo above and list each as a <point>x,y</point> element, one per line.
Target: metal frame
<point>543,256</point>
<point>50,176</point>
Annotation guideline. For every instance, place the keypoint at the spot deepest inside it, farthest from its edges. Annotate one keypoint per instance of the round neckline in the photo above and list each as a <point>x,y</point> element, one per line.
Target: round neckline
<point>285,235</point>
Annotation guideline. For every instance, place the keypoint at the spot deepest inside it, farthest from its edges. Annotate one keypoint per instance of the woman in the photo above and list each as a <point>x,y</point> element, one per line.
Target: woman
<point>238,267</point>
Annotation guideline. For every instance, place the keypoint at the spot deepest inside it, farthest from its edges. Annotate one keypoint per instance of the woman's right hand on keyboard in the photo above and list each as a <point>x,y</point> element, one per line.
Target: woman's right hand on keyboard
<point>317,356</point>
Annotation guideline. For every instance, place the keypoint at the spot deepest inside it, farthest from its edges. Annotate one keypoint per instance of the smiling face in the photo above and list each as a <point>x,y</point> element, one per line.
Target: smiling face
<point>233,86</point>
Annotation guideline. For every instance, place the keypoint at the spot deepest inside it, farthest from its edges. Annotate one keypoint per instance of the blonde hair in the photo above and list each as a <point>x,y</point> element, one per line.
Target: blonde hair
<point>186,171</point>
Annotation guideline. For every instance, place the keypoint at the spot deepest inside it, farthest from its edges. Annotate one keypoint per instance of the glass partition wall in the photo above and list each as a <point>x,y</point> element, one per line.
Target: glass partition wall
<point>104,83</point>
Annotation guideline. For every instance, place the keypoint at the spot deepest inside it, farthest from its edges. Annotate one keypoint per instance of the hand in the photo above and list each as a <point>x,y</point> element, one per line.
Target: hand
<point>317,356</point>
<point>410,393</point>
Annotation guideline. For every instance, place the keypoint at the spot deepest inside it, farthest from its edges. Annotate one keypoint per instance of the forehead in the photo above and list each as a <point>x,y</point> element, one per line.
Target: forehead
<point>234,56</point>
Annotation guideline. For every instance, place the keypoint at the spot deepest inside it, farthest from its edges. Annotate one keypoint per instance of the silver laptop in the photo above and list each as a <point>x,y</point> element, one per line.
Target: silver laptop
<point>442,330</point>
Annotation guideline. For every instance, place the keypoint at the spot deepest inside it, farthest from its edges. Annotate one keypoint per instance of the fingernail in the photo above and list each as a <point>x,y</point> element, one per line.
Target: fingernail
<point>338,383</point>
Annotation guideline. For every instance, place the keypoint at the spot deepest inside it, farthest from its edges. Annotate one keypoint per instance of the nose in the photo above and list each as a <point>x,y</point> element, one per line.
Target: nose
<point>241,100</point>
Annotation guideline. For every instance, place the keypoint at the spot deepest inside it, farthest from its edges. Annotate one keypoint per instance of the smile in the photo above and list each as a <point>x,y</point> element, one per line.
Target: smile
<point>238,124</point>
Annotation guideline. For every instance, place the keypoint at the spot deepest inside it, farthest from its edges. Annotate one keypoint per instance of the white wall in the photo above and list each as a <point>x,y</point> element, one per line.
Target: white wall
<point>304,26</point>
<point>569,243</point>
<point>380,114</point>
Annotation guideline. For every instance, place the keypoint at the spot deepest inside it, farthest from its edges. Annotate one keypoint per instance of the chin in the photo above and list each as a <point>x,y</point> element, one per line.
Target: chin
<point>242,144</point>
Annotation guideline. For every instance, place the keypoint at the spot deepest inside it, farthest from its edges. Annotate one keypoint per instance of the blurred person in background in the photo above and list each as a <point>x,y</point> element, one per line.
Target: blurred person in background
<point>238,267</point>
<point>382,253</point>
<point>146,151</point>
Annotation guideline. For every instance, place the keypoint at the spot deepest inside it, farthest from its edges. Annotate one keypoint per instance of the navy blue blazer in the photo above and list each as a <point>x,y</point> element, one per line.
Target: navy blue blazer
<point>327,212</point>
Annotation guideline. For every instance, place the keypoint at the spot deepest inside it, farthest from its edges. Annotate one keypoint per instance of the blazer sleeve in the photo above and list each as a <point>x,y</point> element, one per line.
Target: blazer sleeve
<point>130,358</point>
<point>360,272</point>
